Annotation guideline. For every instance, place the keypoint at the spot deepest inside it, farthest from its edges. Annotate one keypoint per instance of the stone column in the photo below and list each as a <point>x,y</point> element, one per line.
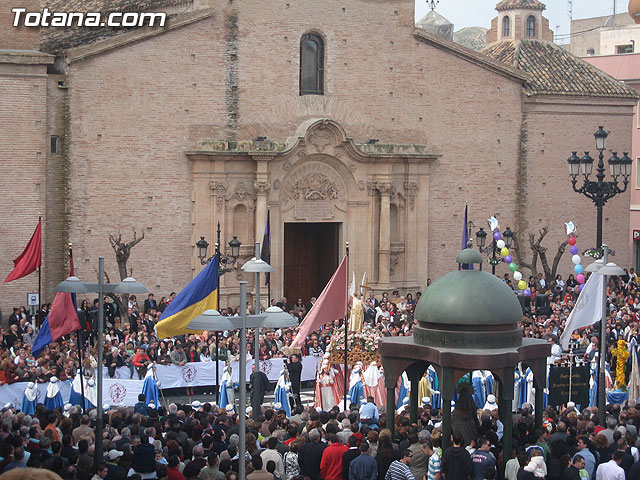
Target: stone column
<point>446,392</point>
<point>261,187</point>
<point>540,382</point>
<point>506,405</point>
<point>391,409</point>
<point>384,251</point>
<point>413,400</point>
<point>262,191</point>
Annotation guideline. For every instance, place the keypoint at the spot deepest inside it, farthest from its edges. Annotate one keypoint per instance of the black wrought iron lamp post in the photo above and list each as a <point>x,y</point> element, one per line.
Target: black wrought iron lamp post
<point>225,265</point>
<point>598,190</point>
<point>481,240</point>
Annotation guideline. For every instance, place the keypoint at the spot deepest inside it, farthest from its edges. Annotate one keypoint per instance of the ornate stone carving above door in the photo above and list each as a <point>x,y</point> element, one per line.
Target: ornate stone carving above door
<point>314,188</point>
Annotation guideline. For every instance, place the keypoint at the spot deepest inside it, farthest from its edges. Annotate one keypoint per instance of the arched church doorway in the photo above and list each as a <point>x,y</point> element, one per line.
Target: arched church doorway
<point>310,258</point>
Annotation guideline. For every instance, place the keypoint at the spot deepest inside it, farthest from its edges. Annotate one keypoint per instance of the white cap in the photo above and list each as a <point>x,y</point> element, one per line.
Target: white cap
<point>53,379</point>
<point>31,385</point>
<point>196,404</point>
<point>571,405</point>
<point>491,399</point>
<point>113,454</point>
<point>229,408</point>
<point>91,382</point>
<point>106,407</point>
<point>67,407</point>
<point>152,405</point>
<point>277,406</point>
<point>425,400</point>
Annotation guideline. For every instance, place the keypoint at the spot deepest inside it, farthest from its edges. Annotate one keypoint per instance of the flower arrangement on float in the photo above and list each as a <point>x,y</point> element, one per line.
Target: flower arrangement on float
<point>362,346</point>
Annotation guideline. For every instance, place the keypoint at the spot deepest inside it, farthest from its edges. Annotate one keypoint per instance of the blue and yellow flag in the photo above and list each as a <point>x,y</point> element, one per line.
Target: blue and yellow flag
<point>199,295</point>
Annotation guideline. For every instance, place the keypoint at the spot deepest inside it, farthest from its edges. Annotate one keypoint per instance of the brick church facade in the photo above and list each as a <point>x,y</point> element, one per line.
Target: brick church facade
<point>344,121</point>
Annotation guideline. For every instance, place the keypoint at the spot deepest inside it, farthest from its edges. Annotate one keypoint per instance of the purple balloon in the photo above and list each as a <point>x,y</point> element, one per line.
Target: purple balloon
<point>497,236</point>
<point>527,292</point>
<point>580,287</point>
<point>574,250</point>
<point>508,259</point>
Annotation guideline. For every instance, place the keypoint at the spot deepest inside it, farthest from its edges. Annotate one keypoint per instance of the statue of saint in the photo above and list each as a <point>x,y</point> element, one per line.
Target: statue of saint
<point>356,319</point>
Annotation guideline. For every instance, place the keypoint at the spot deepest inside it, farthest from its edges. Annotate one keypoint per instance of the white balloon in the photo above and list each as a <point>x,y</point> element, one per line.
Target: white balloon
<point>576,259</point>
<point>500,243</point>
<point>517,276</point>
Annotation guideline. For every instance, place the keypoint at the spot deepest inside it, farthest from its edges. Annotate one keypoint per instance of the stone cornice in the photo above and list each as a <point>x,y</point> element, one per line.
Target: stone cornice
<point>474,57</point>
<point>26,57</point>
<point>80,53</point>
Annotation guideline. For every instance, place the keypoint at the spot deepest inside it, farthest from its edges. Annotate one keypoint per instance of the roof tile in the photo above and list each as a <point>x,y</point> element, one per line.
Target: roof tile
<point>555,71</point>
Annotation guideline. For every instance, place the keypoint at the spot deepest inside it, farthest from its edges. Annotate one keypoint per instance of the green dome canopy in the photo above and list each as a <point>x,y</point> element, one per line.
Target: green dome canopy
<point>469,309</point>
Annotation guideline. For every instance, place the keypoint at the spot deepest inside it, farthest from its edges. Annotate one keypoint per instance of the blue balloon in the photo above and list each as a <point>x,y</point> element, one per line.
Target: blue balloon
<point>574,250</point>
<point>577,268</point>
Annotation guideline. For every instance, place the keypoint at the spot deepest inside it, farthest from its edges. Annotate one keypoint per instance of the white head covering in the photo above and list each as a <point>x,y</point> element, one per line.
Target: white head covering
<point>355,376</point>
<point>372,375</point>
<point>53,389</point>
<point>31,392</point>
<point>226,376</point>
<point>491,403</point>
<point>229,408</point>
<point>277,406</point>
<point>196,404</point>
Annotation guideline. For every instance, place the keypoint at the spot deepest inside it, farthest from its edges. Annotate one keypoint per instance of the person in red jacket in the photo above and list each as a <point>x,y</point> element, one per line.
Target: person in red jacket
<point>141,360</point>
<point>331,463</point>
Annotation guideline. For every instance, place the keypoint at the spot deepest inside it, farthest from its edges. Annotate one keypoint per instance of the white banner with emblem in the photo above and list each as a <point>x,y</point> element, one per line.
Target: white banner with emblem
<point>121,389</point>
<point>200,374</point>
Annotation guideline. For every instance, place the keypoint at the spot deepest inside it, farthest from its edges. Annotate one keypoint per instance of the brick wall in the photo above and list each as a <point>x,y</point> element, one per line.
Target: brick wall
<point>135,109</point>
<point>23,127</point>
<point>20,37</point>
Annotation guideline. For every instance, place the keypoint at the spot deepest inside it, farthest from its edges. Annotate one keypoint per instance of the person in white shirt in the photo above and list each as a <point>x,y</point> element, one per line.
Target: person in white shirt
<point>611,470</point>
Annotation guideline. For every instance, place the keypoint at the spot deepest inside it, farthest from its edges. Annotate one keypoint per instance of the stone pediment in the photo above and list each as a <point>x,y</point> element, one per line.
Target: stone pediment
<point>314,136</point>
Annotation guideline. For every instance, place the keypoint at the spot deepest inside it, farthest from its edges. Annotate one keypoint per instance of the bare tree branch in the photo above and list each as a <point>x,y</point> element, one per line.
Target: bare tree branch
<point>122,250</point>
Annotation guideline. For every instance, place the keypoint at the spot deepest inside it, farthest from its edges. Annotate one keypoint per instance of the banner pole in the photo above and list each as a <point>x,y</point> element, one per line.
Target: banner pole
<point>346,333</point>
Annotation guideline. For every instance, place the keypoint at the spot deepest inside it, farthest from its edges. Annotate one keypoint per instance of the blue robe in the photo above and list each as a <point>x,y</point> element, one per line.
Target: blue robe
<point>150,389</point>
<point>227,395</point>
<point>282,393</point>
<point>489,383</point>
<point>356,389</point>
<point>75,397</point>
<point>434,385</point>
<point>404,390</point>
<point>517,385</point>
<point>52,402</point>
<point>479,395</point>
<point>29,406</point>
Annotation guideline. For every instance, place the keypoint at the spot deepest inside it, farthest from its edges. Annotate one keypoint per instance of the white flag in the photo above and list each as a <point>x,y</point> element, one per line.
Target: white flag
<point>588,308</point>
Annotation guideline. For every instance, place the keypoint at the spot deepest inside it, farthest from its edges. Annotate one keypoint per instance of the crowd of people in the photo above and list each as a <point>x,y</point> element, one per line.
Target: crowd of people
<point>200,440</point>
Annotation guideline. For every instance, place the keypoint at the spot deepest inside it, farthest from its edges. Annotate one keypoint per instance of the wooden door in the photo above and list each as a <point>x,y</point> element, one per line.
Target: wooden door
<point>310,258</point>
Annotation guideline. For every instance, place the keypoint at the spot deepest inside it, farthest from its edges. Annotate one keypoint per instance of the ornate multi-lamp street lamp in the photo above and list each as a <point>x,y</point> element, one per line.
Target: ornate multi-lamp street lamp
<point>225,265</point>
<point>481,240</point>
<point>598,190</point>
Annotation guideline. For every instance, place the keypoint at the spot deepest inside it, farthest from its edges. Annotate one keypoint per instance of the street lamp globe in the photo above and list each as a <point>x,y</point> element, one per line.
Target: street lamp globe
<point>481,238</point>
<point>507,235</point>
<point>601,138</point>
<point>626,164</point>
<point>574,164</point>
<point>614,165</point>
<point>235,244</point>
<point>586,162</point>
<point>202,246</point>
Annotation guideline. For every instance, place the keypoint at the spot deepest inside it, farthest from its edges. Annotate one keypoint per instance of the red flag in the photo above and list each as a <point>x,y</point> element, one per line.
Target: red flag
<point>331,305</point>
<point>63,317</point>
<point>29,260</point>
